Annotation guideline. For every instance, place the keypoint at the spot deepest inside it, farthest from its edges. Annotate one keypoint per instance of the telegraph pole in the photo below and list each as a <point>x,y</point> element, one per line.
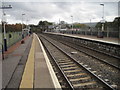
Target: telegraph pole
<point>3,23</point>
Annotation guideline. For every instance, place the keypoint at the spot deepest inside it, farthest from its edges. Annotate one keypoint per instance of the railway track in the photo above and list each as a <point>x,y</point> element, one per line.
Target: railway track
<point>102,56</point>
<point>76,74</point>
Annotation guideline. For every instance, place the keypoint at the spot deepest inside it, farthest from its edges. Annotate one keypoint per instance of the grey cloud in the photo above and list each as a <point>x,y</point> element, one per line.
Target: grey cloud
<point>61,1</point>
<point>81,11</point>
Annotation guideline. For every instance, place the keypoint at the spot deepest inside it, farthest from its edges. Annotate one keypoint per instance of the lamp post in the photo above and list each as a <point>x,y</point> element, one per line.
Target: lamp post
<point>102,21</point>
<point>72,22</point>
<point>3,23</point>
<point>22,27</point>
<point>103,10</point>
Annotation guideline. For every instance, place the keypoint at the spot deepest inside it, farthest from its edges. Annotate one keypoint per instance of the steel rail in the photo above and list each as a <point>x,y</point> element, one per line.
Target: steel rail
<point>98,78</point>
<point>93,56</point>
<point>65,77</point>
<point>102,60</point>
<point>100,51</point>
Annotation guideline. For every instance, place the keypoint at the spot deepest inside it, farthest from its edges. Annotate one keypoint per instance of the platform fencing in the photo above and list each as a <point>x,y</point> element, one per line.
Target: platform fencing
<point>12,38</point>
<point>112,34</point>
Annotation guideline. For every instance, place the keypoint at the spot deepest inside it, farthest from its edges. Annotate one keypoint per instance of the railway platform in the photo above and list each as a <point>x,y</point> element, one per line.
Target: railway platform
<point>105,39</point>
<point>27,66</point>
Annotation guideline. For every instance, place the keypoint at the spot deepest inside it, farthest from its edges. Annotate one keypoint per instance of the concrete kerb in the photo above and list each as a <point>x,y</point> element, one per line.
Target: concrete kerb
<point>51,71</point>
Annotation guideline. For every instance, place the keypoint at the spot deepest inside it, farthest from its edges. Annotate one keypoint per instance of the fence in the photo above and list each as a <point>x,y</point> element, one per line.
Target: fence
<point>110,32</point>
<point>12,38</point>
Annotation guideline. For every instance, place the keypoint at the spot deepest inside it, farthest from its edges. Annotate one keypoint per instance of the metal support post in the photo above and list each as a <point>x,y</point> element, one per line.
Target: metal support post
<point>3,24</point>
<point>5,40</point>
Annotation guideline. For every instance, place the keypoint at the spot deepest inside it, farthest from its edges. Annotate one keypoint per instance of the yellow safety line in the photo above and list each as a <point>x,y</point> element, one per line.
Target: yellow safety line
<point>28,75</point>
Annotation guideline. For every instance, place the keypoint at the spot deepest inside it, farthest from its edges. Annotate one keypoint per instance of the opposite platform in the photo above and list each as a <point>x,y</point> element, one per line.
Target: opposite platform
<point>105,39</point>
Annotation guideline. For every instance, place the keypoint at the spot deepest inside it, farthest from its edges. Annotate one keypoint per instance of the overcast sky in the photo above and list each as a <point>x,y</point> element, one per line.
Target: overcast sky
<point>82,11</point>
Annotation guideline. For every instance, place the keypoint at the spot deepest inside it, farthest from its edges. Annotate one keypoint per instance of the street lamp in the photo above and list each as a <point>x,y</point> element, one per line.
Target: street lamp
<point>72,22</point>
<point>22,26</point>
<point>3,23</point>
<point>103,20</point>
<point>103,10</point>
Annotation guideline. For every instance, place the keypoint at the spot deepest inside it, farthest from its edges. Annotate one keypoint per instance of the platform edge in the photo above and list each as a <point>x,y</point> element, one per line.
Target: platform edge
<point>51,71</point>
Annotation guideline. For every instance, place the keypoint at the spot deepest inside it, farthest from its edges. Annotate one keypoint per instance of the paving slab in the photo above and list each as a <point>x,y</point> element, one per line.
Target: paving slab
<point>12,59</point>
<point>42,76</point>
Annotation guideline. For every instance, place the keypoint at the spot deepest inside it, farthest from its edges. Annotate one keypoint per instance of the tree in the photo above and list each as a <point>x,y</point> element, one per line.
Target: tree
<point>13,27</point>
<point>116,22</point>
<point>43,25</point>
<point>113,24</point>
